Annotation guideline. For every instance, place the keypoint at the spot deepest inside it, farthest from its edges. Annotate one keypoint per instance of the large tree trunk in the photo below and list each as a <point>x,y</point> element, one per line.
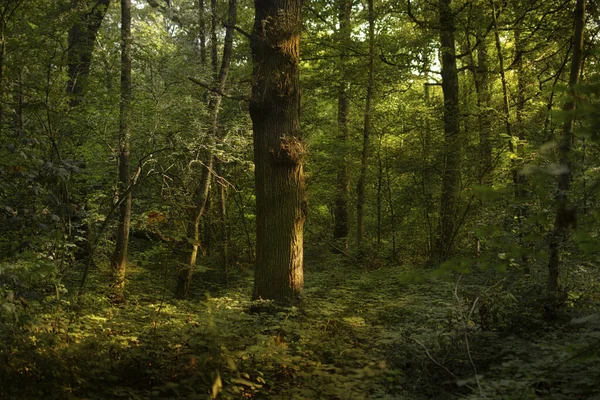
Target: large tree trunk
<point>565,214</point>
<point>202,193</point>
<point>119,257</point>
<point>452,140</point>
<point>341,226</point>
<point>360,188</point>
<point>281,205</point>
<point>82,37</point>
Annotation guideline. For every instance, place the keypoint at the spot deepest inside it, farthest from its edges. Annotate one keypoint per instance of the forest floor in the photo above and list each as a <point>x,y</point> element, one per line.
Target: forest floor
<point>361,333</point>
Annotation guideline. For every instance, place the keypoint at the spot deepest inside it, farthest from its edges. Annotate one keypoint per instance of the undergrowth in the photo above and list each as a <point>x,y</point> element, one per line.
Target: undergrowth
<point>362,332</point>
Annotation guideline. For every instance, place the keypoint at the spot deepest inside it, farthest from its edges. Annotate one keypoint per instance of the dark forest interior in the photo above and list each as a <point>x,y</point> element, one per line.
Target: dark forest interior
<point>299,199</point>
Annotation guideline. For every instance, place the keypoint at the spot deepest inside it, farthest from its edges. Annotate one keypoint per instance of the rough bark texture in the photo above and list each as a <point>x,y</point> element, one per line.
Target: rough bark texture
<point>201,196</point>
<point>82,37</point>
<point>278,151</point>
<point>452,142</point>
<point>119,257</point>
<point>341,226</point>
<point>565,214</point>
<point>360,188</point>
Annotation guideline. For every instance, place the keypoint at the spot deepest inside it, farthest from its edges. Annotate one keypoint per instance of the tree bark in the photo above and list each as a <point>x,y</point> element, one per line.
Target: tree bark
<point>82,38</point>
<point>202,31</point>
<point>565,214</point>
<point>223,231</point>
<point>281,205</point>
<point>341,227</point>
<point>213,39</point>
<point>360,189</point>
<point>119,257</point>
<point>452,140</point>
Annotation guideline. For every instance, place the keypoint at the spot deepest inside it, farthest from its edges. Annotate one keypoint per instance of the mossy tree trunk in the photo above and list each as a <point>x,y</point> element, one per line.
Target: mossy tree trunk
<point>278,151</point>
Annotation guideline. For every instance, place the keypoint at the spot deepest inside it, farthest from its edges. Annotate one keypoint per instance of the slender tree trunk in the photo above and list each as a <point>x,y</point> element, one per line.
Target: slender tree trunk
<point>505,98</point>
<point>202,194</point>
<point>184,278</point>
<point>565,213</point>
<point>82,38</point>
<point>452,140</point>
<point>202,31</point>
<point>360,189</point>
<point>521,189</point>
<point>213,38</point>
<point>482,86</point>
<point>281,205</point>
<point>390,200</point>
<point>119,257</point>
<point>426,173</point>
<point>341,227</point>
<point>223,235</point>
<point>379,195</point>
<point>242,208</point>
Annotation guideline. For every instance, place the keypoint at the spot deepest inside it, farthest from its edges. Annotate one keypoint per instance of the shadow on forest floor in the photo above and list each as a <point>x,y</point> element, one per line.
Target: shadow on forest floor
<point>359,334</point>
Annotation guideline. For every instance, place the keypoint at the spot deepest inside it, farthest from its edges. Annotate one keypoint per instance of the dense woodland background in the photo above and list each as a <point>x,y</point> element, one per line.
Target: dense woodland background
<point>406,207</point>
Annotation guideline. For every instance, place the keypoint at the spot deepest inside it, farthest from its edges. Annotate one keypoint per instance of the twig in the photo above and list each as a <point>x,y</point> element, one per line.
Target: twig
<point>240,30</point>
<point>467,346</point>
<point>436,362</point>
<point>330,244</point>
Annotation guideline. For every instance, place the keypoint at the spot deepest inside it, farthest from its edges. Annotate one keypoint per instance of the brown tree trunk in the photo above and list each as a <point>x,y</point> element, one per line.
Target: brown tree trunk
<point>281,205</point>
<point>360,188</point>
<point>426,174</point>
<point>82,38</point>
<point>482,86</point>
<point>119,257</point>
<point>565,214</point>
<point>452,140</point>
<point>202,31</point>
<point>505,98</point>
<point>223,234</point>
<point>341,226</point>
<point>202,193</point>
<point>213,38</point>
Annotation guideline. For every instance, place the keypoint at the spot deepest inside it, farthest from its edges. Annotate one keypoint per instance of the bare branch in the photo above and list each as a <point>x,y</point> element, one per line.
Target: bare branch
<point>217,91</point>
<point>240,30</point>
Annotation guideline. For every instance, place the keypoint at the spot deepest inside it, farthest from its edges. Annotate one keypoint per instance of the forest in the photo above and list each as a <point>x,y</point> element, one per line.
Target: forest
<point>299,199</point>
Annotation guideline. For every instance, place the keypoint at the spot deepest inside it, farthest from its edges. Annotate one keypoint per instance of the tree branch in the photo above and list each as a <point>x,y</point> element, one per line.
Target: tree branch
<point>240,30</point>
<point>217,91</point>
